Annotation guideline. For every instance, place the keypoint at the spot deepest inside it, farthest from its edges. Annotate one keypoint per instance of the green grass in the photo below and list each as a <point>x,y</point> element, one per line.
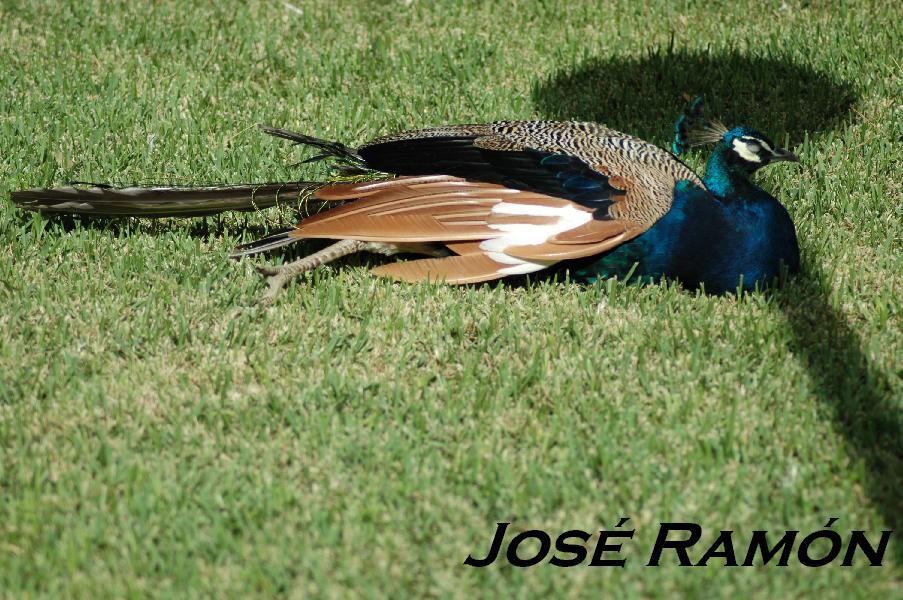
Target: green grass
<point>161,436</point>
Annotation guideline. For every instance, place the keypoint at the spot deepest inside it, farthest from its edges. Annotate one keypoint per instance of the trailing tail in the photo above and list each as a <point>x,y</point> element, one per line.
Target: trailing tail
<point>186,201</point>
<point>108,201</point>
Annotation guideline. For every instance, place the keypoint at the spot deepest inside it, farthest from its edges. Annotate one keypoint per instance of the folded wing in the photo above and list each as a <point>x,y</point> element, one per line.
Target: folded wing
<point>506,198</point>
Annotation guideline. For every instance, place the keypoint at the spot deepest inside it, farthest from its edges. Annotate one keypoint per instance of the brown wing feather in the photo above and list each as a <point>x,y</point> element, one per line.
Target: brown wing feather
<point>556,252</point>
<point>464,247</point>
<point>591,232</point>
<point>469,268</point>
<point>418,209</point>
<point>398,228</point>
<point>460,214</point>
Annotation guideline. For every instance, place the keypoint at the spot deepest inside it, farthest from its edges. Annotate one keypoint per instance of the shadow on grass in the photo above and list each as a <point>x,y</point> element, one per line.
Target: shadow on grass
<point>858,395</point>
<point>644,96</point>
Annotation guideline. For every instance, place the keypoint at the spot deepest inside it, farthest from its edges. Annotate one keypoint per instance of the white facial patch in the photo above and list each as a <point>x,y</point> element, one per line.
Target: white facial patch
<point>746,149</point>
<point>524,234</point>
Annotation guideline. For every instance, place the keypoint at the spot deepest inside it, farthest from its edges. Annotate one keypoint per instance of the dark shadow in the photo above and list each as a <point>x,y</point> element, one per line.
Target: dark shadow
<point>858,395</point>
<point>643,96</point>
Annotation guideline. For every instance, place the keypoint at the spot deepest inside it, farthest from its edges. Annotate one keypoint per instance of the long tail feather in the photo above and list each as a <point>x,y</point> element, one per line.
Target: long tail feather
<point>106,201</point>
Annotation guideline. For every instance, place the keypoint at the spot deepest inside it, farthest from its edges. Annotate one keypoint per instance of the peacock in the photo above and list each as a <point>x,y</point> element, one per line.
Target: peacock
<point>487,201</point>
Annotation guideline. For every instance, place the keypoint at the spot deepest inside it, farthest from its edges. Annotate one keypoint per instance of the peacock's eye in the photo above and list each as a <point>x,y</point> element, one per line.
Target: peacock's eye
<point>748,148</point>
<point>752,144</point>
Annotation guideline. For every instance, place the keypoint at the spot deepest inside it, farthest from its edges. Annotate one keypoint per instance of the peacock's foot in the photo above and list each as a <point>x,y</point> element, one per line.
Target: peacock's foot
<point>277,277</point>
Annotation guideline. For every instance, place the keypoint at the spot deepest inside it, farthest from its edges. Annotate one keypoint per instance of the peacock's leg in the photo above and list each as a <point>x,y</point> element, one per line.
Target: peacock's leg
<point>279,276</point>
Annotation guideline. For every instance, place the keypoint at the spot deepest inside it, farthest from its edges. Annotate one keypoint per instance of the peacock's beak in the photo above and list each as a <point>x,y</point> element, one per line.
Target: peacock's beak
<point>781,154</point>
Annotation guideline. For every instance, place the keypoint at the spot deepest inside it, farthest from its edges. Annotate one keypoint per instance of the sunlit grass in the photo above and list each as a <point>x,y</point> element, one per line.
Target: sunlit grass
<point>160,435</point>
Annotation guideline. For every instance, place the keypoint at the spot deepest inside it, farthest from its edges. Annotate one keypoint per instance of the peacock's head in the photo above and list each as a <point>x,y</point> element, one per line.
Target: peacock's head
<point>751,150</point>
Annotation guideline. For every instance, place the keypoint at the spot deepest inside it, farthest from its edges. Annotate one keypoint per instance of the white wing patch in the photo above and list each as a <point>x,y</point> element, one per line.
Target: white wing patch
<point>529,234</point>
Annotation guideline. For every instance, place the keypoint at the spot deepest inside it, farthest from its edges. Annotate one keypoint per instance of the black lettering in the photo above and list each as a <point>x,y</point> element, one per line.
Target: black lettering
<point>802,553</point>
<point>578,550</point>
<point>759,543</point>
<point>603,546</point>
<point>679,546</point>
<point>493,548</point>
<point>545,543</point>
<point>874,556</point>
<point>725,541</point>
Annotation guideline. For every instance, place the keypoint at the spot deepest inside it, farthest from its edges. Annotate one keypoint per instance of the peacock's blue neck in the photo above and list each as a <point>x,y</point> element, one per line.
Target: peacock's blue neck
<point>726,178</point>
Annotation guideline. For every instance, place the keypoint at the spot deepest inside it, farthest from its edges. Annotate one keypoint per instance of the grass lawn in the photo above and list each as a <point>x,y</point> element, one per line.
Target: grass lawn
<point>162,436</point>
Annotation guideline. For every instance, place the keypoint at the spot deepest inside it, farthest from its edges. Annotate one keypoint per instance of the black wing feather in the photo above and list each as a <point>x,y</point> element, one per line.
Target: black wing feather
<point>557,175</point>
